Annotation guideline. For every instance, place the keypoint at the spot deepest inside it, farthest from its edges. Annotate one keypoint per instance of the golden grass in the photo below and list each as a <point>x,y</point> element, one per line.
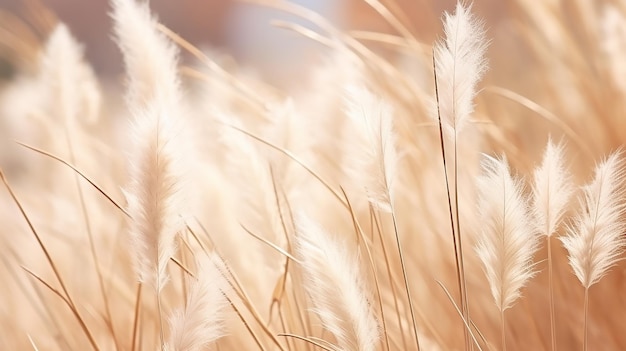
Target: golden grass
<point>403,272</point>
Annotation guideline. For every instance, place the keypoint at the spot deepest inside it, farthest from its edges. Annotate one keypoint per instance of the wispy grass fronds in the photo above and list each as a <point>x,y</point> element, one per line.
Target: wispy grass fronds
<point>72,87</point>
<point>154,79</point>
<point>336,287</point>
<point>158,164</point>
<point>202,319</point>
<point>460,63</point>
<point>374,153</point>
<point>156,194</point>
<point>613,43</point>
<point>508,240</point>
<point>552,190</point>
<point>596,240</point>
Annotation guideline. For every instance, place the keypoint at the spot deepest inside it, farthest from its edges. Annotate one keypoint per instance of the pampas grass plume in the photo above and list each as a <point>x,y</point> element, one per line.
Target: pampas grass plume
<point>460,63</point>
<point>552,190</point>
<point>508,241</point>
<point>596,240</point>
<point>373,151</point>
<point>153,79</point>
<point>158,166</point>
<point>73,89</point>
<point>201,321</point>
<point>336,287</point>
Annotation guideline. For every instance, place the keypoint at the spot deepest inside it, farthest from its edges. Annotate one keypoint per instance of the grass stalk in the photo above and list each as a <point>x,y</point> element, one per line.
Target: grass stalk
<point>456,238</point>
<point>551,292</point>
<point>586,321</point>
<point>503,329</point>
<point>51,263</point>
<point>133,343</point>
<point>404,276</point>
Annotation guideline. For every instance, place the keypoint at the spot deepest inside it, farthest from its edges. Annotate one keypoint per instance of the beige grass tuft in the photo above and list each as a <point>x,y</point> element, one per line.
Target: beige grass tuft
<point>157,200</point>
<point>201,321</point>
<point>508,240</point>
<point>336,287</point>
<point>596,240</point>
<point>460,63</point>
<point>373,151</point>
<point>552,190</point>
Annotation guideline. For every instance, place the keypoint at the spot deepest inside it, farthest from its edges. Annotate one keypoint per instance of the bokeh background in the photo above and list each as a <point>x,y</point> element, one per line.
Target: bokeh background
<point>236,29</point>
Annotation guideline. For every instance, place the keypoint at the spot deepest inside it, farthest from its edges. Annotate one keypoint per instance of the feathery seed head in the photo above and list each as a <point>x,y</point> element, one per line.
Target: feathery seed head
<point>596,240</point>
<point>459,64</point>
<point>507,242</point>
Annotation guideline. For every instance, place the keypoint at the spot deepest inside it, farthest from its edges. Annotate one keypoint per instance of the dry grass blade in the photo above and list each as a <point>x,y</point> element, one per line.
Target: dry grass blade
<point>32,342</point>
<point>309,340</point>
<point>456,307</point>
<point>51,263</point>
<point>545,114</point>
<point>136,317</point>
<point>99,189</point>
<point>271,244</point>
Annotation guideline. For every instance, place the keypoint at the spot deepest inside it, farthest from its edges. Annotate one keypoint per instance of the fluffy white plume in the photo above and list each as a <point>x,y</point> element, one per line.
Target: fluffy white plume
<point>372,153</point>
<point>508,241</point>
<point>72,89</point>
<point>151,60</point>
<point>460,64</point>
<point>596,239</point>
<point>336,287</point>
<point>202,320</point>
<point>552,190</point>
<point>159,163</point>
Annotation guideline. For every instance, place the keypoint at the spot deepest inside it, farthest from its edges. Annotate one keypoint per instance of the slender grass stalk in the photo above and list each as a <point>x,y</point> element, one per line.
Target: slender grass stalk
<point>586,320</point>
<point>552,191</point>
<point>459,64</point>
<point>455,240</point>
<point>503,329</point>
<point>405,277</point>
<point>551,293</point>
<point>57,274</point>
<point>595,241</point>
<point>136,317</point>
<point>390,276</point>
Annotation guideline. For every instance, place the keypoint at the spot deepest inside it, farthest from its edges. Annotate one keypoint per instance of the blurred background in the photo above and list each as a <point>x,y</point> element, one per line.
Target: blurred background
<point>241,30</point>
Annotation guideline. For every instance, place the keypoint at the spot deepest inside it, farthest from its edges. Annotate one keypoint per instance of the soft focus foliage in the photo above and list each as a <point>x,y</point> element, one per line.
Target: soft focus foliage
<point>231,188</point>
